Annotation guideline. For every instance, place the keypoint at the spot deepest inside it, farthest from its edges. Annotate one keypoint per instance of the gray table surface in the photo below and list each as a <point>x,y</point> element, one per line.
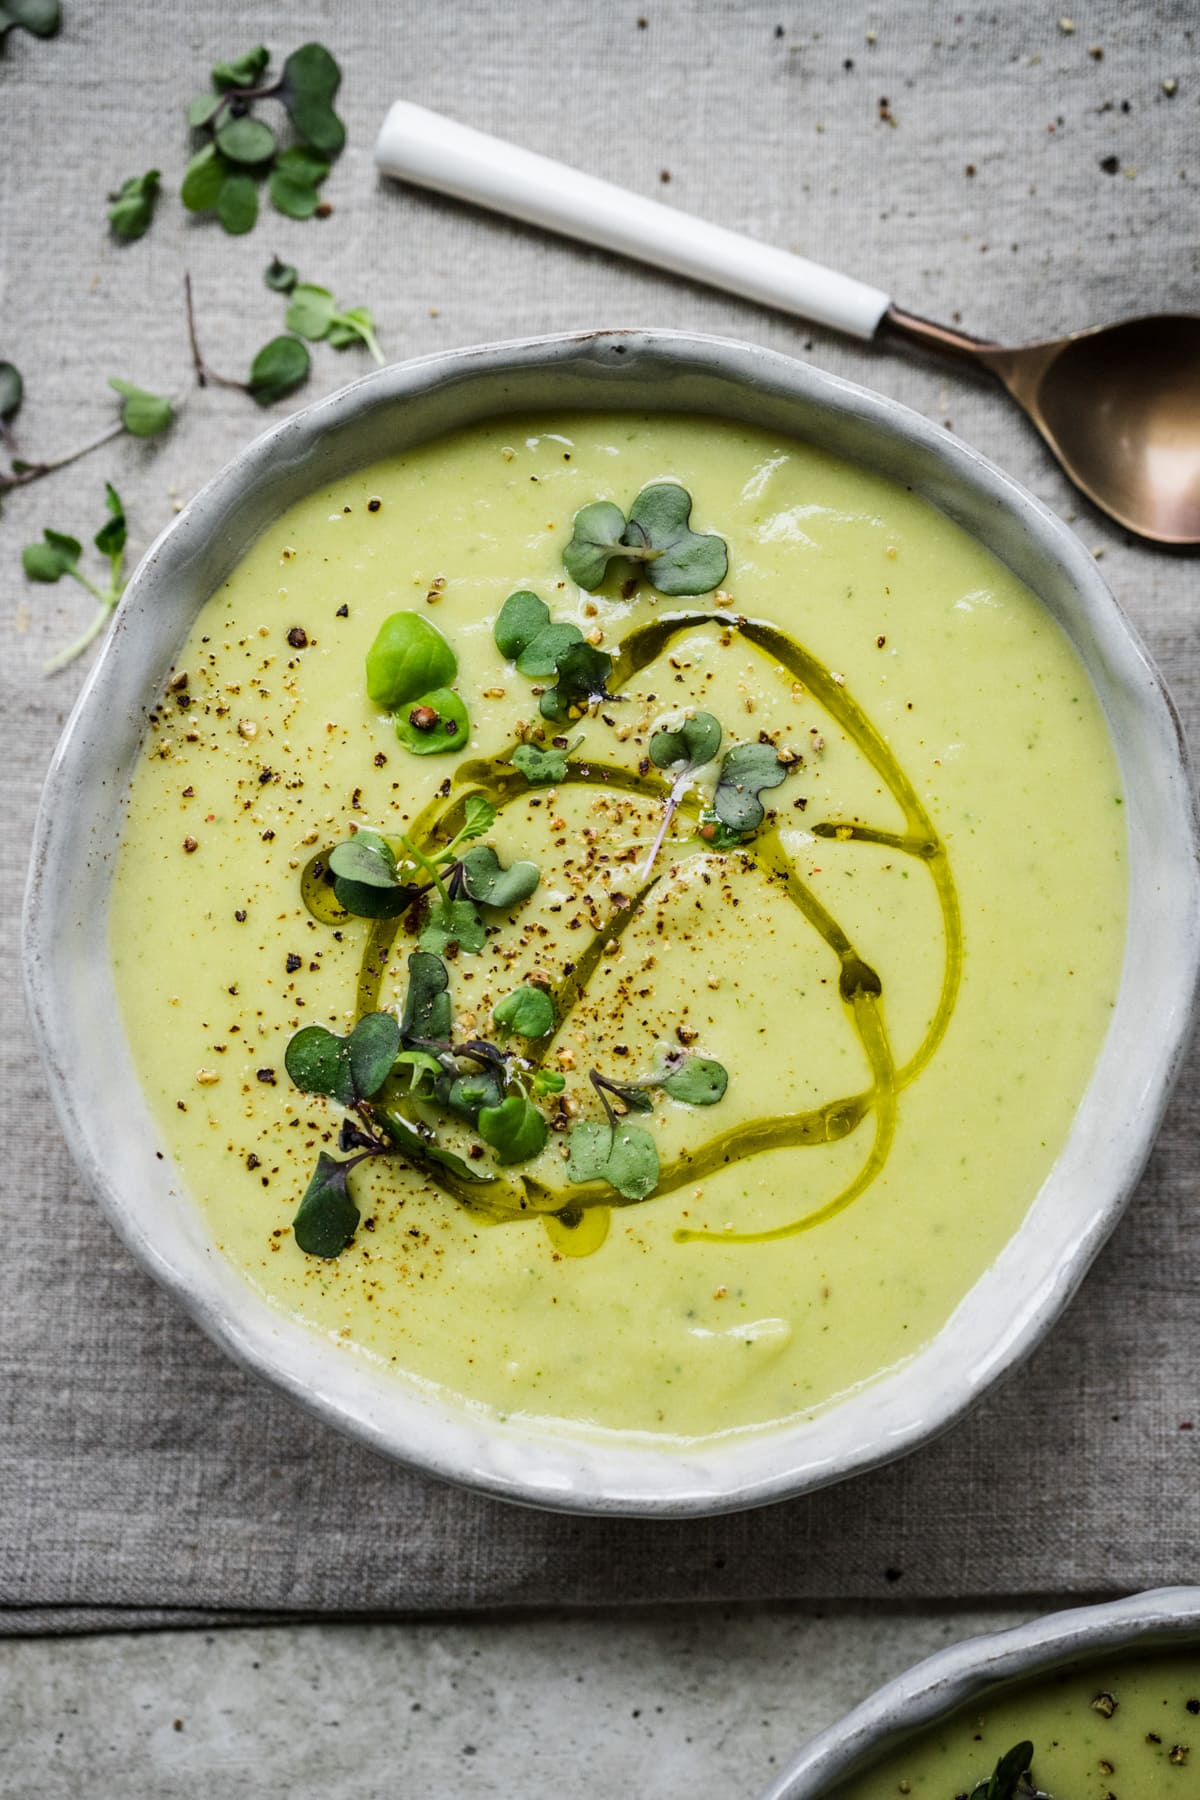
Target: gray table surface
<point>977,191</point>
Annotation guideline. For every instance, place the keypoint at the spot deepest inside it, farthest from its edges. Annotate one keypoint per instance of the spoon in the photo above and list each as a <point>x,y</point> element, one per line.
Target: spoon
<point>1118,405</point>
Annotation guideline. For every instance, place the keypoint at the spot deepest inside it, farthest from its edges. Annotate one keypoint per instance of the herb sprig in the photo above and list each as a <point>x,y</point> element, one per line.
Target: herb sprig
<point>241,148</point>
<point>143,414</point>
<point>41,18</point>
<point>58,555</point>
<point>657,535</point>
<point>132,206</point>
<point>1012,1778</point>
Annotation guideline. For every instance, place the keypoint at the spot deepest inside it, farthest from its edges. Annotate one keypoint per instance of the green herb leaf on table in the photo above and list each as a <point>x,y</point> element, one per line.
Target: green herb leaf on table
<point>314,314</point>
<point>515,1129</point>
<point>243,139</point>
<point>540,767</point>
<point>527,1011</point>
<point>12,391</point>
<point>280,367</point>
<point>241,71</point>
<point>452,922</point>
<point>237,204</point>
<point>747,771</point>
<point>408,657</point>
<point>327,1217</point>
<point>143,414</point>
<point>132,206</point>
<point>657,534</point>
<point>203,179</point>
<point>583,673</point>
<point>347,1069</point>
<point>295,183</point>
<point>435,724</point>
<point>621,1154</point>
<point>307,88</point>
<point>485,878</point>
<point>280,277</point>
<point>58,555</point>
<point>427,1009</point>
<point>41,18</point>
<point>110,539</point>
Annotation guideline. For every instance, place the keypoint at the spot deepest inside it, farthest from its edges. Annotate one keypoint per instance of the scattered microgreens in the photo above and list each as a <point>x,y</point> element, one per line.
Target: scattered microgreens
<point>541,767</point>
<point>1011,1779</point>
<point>281,366</point>
<point>682,753</point>
<point>527,1011</point>
<point>621,1154</point>
<point>58,555</point>
<point>408,657</point>
<point>314,314</point>
<point>583,673</point>
<point>12,392</point>
<point>132,206</point>
<point>656,534</point>
<point>223,174</point>
<point>525,634</point>
<point>142,415</point>
<point>747,770</point>
<point>42,18</point>
<point>280,277</point>
<point>436,724</point>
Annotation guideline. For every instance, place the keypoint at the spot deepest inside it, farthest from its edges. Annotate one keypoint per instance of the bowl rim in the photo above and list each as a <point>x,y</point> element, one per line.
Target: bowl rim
<point>589,1472</point>
<point>951,1678</point>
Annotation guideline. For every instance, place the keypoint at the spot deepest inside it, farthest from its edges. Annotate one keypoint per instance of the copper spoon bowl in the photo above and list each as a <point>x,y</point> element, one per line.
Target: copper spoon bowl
<point>1118,405</point>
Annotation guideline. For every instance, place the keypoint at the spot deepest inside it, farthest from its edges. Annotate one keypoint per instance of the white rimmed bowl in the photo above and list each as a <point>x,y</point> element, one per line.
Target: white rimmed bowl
<point>1167,1618</point>
<point>108,1124</point>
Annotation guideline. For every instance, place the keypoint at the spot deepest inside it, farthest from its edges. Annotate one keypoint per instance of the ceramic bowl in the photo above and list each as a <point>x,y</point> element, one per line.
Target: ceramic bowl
<point>108,1124</point>
<point>1168,1618</point>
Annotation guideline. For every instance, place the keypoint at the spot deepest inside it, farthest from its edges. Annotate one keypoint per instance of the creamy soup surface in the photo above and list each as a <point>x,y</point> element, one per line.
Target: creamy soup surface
<point>1127,1730</point>
<point>906,973</point>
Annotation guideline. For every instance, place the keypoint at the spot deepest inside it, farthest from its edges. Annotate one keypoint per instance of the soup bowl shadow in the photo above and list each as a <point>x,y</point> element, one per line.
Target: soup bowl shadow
<point>108,1124</point>
<point>982,1669</point>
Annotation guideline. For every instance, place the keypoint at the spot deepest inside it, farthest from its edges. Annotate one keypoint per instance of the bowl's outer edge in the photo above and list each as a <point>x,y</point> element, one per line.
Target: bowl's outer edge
<point>953,1677</point>
<point>65,901</point>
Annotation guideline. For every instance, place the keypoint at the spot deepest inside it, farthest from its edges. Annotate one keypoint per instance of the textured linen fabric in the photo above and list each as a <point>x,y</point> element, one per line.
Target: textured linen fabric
<point>145,1479</point>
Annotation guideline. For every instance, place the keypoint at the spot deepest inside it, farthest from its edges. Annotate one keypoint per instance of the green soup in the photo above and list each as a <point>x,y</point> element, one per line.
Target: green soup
<point>906,971</point>
<point>1117,1731</point>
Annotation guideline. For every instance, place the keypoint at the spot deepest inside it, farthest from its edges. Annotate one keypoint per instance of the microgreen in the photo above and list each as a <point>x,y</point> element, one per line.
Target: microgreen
<point>427,1010</point>
<point>526,635</point>
<point>367,881</point>
<point>12,392</point>
<point>515,1129</point>
<point>583,673</point>
<point>58,555</point>
<point>143,414</point>
<point>485,878</point>
<point>540,767</point>
<point>408,657</point>
<point>656,534</point>
<point>314,314</point>
<point>747,770</point>
<point>132,206</point>
<point>691,1079</point>
<point>41,18</point>
<point>436,724</point>
<point>682,752</point>
<point>621,1154</point>
<point>1011,1779</point>
<point>453,922</point>
<point>347,1069</point>
<point>224,173</point>
<point>327,1217</point>
<point>279,368</point>
<point>279,276</point>
<point>527,1011</point>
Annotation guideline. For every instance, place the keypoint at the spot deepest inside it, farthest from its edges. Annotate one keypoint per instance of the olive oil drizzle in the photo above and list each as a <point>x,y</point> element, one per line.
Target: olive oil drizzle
<point>579,1222</point>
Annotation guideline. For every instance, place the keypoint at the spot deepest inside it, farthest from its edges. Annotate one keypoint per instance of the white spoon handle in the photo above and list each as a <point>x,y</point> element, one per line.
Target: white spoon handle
<point>436,152</point>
